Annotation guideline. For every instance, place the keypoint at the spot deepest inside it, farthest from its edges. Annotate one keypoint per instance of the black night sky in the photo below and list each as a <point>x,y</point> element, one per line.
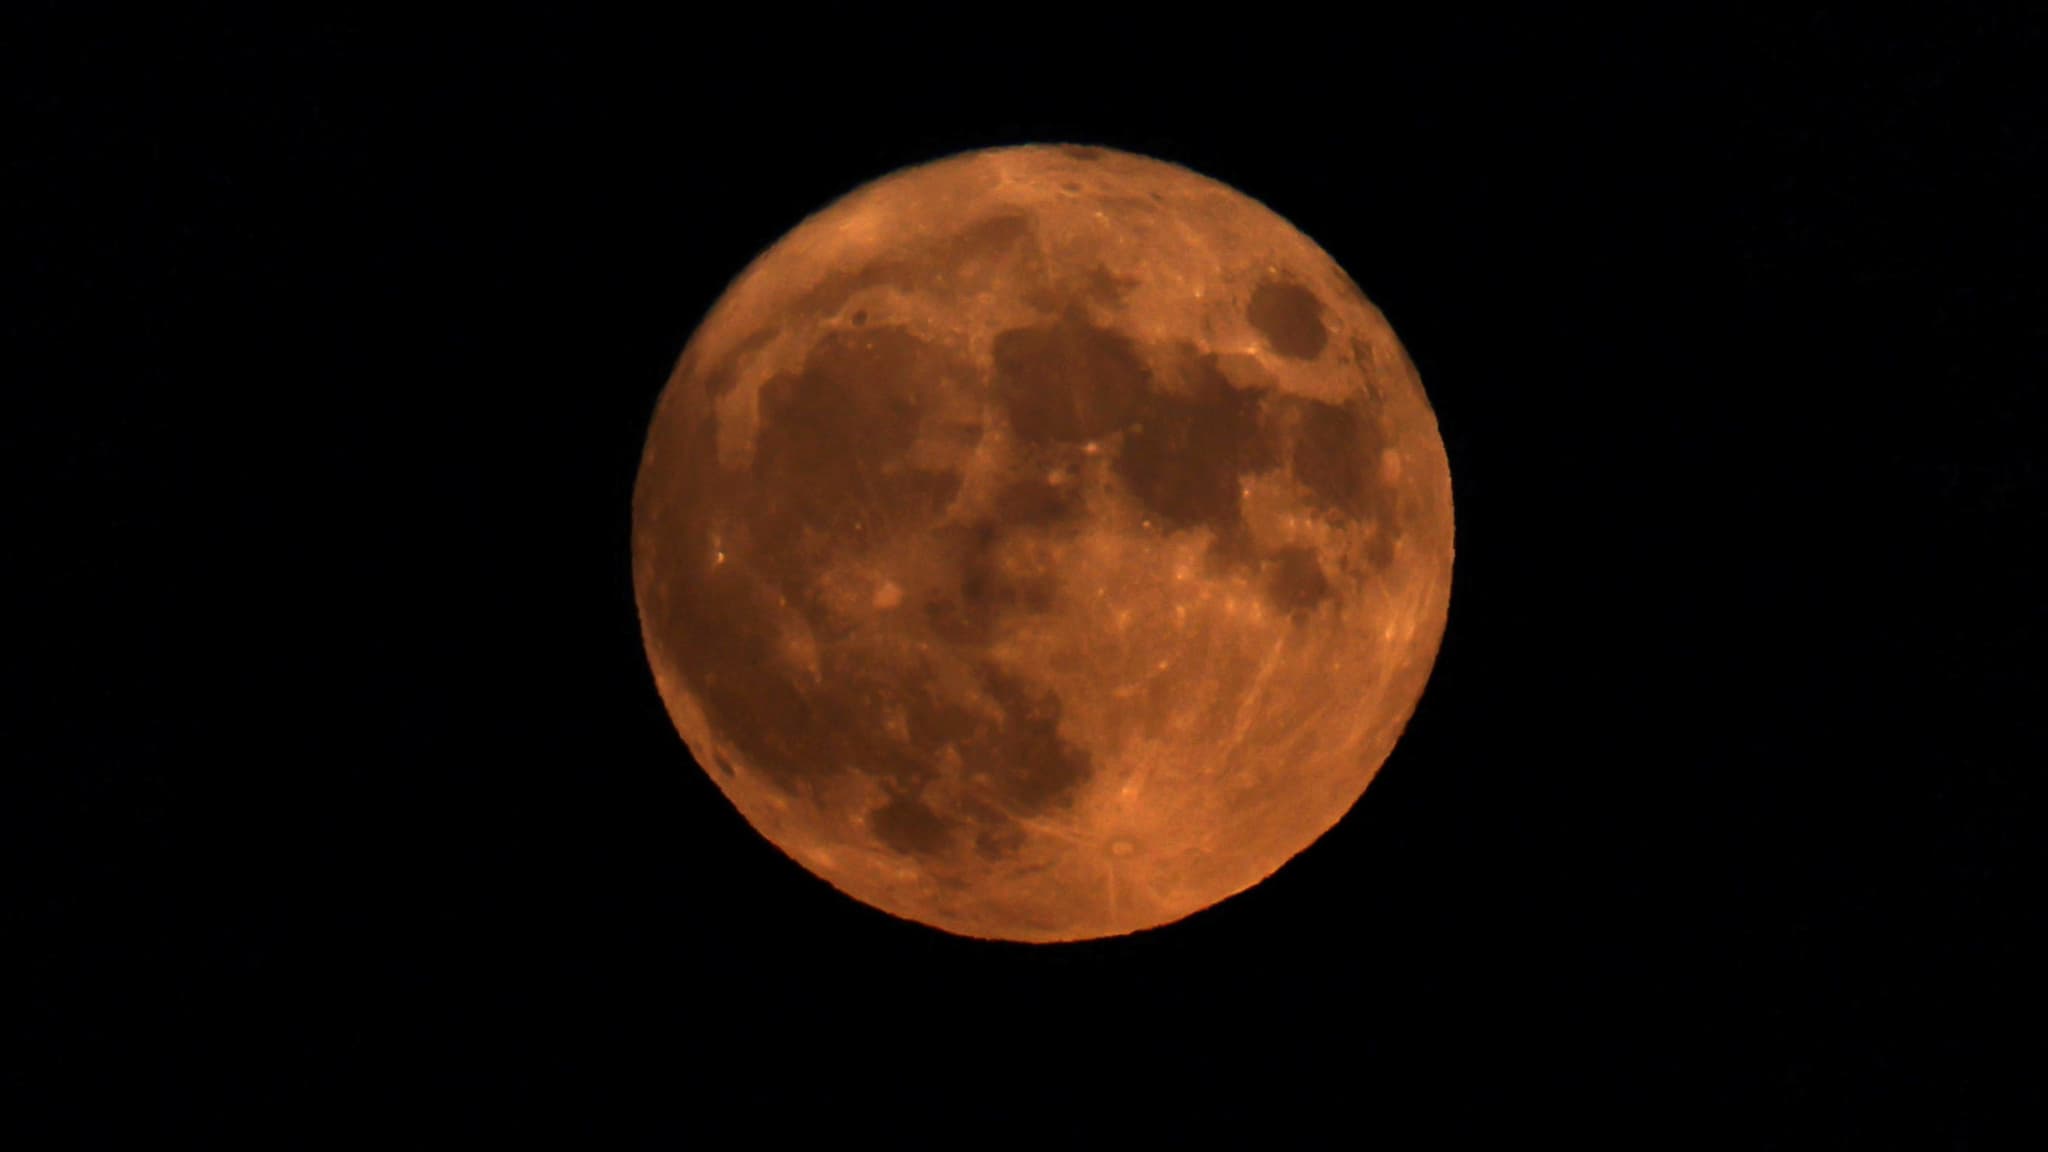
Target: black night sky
<point>351,809</point>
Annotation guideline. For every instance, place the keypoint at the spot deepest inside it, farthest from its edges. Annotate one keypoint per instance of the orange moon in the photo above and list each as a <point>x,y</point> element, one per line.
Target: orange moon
<point>1042,543</point>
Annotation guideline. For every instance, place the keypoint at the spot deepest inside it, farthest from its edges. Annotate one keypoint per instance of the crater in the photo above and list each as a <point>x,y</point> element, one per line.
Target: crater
<point>1290,318</point>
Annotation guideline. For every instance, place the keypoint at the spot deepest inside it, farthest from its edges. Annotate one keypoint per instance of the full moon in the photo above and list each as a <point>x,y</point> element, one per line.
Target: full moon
<point>1042,543</point>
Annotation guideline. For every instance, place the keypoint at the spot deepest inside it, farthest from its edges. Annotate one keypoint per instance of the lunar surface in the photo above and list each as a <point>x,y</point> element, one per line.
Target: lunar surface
<point>1043,543</point>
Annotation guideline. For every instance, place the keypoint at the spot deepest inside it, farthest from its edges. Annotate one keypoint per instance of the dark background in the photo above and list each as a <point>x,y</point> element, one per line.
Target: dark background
<point>352,807</point>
